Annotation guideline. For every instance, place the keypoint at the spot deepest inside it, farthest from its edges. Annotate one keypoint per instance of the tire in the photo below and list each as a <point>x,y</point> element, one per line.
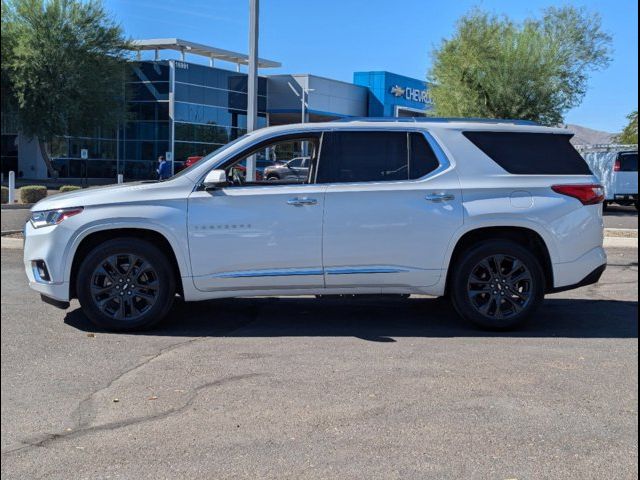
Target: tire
<point>492,298</point>
<point>139,267</point>
<point>273,178</point>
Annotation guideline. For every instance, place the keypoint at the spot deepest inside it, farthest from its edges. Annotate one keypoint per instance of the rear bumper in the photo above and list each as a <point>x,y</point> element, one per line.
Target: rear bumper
<point>590,279</point>
<point>568,274</point>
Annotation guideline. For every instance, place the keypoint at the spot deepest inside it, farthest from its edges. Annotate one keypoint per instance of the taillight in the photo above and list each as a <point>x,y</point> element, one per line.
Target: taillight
<point>618,166</point>
<point>588,194</point>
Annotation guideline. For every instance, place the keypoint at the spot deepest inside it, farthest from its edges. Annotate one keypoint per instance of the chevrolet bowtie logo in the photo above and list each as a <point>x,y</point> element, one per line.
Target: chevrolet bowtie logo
<point>397,90</point>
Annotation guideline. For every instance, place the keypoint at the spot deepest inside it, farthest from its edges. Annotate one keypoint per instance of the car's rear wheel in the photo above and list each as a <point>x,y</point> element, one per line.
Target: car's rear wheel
<point>125,284</point>
<point>497,284</point>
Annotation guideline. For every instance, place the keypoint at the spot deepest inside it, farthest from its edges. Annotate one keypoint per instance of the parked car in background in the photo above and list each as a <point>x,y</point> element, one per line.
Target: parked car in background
<point>192,160</point>
<point>626,179</point>
<point>617,171</point>
<point>241,169</point>
<point>491,214</point>
<point>295,169</point>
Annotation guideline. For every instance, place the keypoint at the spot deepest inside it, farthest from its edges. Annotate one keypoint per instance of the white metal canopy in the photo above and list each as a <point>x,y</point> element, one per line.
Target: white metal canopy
<point>185,46</point>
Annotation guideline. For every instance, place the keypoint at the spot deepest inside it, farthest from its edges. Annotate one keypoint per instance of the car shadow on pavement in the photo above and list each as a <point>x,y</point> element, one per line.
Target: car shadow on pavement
<point>378,320</point>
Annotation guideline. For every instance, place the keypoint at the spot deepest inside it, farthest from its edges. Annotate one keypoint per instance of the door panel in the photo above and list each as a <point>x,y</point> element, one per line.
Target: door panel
<point>257,237</point>
<point>390,234</point>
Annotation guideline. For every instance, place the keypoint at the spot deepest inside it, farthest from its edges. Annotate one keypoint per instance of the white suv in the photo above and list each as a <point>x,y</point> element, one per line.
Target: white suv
<point>493,214</point>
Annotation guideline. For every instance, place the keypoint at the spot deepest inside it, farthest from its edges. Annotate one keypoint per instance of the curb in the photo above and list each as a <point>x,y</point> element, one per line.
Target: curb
<point>11,243</point>
<point>17,206</point>
<point>621,232</point>
<point>9,232</point>
<point>620,242</point>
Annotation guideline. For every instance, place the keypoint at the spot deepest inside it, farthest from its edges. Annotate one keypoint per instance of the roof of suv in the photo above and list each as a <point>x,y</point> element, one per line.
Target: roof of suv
<point>436,123</point>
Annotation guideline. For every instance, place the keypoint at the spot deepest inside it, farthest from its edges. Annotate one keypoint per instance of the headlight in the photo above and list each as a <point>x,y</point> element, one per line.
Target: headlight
<point>53,217</point>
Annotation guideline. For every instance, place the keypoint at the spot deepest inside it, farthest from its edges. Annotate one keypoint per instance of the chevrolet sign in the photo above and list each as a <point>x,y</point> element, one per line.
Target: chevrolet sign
<point>413,94</point>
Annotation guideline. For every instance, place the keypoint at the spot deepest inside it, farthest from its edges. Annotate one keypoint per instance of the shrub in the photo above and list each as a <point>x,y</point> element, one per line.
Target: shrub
<point>5,194</point>
<point>32,193</point>
<point>69,188</point>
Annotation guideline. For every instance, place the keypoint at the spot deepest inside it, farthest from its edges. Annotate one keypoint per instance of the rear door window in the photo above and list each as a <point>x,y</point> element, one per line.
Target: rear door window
<point>531,153</point>
<point>374,156</point>
<point>628,162</point>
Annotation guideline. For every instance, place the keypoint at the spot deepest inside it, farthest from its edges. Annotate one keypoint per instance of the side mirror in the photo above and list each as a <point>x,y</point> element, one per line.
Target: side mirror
<point>215,178</point>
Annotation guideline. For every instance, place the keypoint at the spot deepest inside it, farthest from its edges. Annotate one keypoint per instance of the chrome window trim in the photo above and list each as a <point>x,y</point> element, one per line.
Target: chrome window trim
<point>198,184</point>
<point>443,160</point>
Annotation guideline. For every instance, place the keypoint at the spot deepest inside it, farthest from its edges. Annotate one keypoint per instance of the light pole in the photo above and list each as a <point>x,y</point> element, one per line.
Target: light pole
<point>252,90</point>
<point>303,92</point>
<point>303,108</point>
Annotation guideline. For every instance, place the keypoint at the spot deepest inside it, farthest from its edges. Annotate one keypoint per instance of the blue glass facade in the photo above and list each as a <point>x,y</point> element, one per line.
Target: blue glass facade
<point>146,135</point>
<point>192,109</point>
<point>208,110</point>
<point>211,108</point>
<point>393,95</point>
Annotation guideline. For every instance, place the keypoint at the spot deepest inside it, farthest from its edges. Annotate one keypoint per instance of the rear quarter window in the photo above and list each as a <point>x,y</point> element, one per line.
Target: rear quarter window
<point>523,153</point>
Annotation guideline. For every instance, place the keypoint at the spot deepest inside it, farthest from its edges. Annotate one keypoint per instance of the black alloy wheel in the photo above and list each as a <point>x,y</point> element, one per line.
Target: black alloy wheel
<point>496,284</point>
<point>126,284</point>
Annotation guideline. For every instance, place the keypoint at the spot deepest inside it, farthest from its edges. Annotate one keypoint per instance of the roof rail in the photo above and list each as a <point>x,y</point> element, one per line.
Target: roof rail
<point>436,120</point>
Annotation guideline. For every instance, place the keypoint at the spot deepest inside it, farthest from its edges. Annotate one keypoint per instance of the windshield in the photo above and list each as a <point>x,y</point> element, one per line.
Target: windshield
<point>208,156</point>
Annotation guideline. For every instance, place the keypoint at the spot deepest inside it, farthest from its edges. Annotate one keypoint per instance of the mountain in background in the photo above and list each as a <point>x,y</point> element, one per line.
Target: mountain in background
<point>588,136</point>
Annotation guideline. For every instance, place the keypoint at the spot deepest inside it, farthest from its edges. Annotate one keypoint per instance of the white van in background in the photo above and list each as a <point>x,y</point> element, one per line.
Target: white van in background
<point>625,173</point>
<point>617,171</point>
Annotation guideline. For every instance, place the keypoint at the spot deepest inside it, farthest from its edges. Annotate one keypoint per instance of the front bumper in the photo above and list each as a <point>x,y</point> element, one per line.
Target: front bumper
<point>48,245</point>
<point>54,302</point>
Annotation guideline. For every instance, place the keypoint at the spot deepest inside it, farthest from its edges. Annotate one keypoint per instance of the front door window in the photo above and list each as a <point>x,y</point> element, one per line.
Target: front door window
<point>287,161</point>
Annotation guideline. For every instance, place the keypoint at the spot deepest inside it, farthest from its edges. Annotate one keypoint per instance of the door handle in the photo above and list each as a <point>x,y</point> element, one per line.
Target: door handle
<point>440,197</point>
<point>300,202</point>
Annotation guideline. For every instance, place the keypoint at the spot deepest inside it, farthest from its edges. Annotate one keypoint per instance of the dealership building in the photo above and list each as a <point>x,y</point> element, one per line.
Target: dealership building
<point>179,108</point>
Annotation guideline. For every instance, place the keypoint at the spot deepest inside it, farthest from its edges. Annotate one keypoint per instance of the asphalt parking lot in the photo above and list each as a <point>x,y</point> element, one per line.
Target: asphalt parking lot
<point>306,388</point>
<point>617,216</point>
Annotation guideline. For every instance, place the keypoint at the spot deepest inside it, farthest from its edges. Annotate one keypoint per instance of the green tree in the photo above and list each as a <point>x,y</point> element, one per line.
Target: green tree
<point>629,135</point>
<point>6,46</point>
<point>65,65</point>
<point>535,70</point>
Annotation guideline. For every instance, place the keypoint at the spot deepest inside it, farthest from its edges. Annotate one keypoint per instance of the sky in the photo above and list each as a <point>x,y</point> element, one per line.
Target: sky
<point>334,38</point>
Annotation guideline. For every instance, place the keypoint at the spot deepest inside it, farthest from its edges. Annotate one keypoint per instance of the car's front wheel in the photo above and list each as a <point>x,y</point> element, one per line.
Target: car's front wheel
<point>497,284</point>
<point>125,284</point>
